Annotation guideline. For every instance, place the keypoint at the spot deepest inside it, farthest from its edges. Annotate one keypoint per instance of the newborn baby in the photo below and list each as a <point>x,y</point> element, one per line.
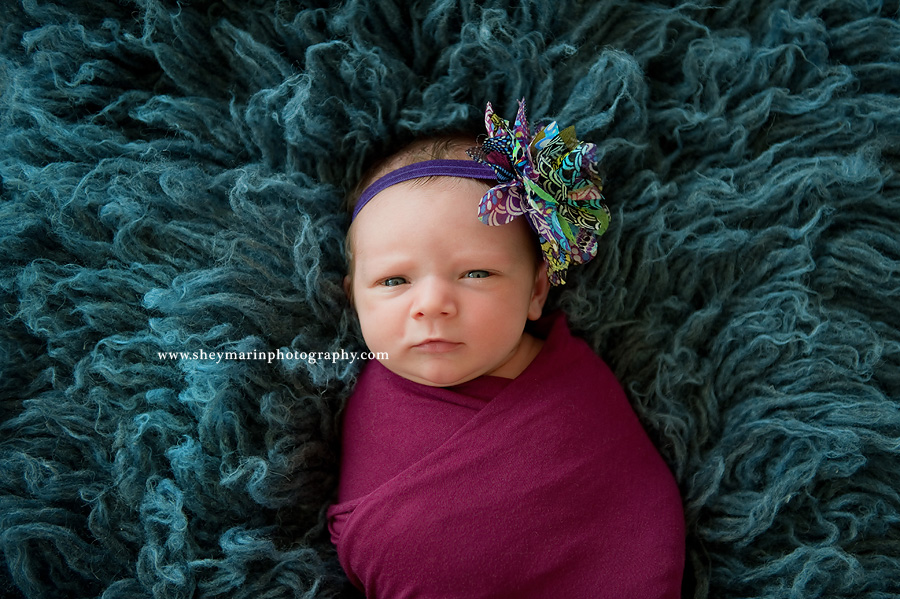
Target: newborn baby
<point>492,454</point>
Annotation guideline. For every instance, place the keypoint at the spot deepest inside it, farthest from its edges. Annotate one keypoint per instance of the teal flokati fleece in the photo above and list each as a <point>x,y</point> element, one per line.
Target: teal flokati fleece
<point>170,180</point>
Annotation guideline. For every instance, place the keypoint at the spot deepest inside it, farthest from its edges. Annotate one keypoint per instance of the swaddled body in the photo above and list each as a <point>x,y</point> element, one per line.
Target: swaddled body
<point>542,486</point>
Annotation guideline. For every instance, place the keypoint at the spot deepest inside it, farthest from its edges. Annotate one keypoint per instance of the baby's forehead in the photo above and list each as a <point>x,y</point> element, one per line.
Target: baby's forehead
<point>443,206</point>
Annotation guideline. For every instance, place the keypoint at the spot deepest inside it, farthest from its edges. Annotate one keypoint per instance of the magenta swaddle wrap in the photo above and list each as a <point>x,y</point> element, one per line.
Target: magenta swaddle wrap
<point>542,486</point>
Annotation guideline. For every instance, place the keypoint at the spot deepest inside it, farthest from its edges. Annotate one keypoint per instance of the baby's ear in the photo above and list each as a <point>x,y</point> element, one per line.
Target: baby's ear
<point>539,292</point>
<point>348,288</point>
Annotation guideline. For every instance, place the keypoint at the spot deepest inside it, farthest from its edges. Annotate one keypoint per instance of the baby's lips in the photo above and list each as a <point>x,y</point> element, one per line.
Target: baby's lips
<point>437,346</point>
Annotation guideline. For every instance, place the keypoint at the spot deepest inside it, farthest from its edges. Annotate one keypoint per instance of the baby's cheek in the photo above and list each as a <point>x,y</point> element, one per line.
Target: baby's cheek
<point>375,330</point>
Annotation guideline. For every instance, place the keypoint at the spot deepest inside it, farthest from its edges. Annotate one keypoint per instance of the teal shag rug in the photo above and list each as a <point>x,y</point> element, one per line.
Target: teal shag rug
<point>171,179</point>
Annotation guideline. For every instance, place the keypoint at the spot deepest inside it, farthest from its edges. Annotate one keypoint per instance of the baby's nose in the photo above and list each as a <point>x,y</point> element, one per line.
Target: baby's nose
<point>434,297</point>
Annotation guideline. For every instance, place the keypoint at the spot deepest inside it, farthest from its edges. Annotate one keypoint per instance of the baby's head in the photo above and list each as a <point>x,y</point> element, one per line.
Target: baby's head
<point>444,295</point>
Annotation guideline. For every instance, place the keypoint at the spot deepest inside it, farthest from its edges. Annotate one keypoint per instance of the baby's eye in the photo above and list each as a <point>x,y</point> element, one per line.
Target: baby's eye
<point>477,274</point>
<point>393,281</point>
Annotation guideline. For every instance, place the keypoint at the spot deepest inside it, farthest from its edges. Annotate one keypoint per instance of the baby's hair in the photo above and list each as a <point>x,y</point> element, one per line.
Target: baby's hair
<point>420,150</point>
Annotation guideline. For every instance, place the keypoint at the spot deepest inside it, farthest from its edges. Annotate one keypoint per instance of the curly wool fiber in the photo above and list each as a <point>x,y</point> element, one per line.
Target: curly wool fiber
<point>170,181</point>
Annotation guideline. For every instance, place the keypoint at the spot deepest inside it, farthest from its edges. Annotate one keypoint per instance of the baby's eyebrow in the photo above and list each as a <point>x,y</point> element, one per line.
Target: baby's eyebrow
<point>383,266</point>
<point>386,257</point>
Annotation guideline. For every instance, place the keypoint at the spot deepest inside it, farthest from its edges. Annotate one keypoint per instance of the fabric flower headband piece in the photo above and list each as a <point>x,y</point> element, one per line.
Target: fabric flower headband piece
<point>550,178</point>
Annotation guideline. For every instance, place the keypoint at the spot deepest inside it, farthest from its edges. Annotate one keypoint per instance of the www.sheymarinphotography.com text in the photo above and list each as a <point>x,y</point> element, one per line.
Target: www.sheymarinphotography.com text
<point>311,357</point>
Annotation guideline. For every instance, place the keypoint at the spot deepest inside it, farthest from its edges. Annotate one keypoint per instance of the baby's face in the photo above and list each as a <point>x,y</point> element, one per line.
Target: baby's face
<point>446,296</point>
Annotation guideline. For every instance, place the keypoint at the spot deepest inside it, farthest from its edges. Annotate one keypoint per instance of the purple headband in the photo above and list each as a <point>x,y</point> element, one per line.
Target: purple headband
<point>467,169</point>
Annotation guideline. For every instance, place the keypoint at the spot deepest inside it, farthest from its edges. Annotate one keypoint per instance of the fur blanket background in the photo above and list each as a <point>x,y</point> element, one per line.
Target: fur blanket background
<point>171,180</point>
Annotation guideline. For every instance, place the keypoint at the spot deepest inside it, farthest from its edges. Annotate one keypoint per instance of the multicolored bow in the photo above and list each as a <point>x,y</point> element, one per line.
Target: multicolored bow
<point>551,178</point>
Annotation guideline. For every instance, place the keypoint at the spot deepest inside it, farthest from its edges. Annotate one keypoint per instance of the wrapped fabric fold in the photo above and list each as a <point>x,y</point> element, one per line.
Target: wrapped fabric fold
<point>541,486</point>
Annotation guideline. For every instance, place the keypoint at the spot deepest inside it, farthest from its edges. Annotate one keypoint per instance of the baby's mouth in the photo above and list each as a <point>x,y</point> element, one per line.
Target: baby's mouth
<point>437,346</point>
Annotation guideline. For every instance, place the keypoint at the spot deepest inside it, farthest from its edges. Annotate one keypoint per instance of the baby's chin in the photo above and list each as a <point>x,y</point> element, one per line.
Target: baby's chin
<point>438,378</point>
